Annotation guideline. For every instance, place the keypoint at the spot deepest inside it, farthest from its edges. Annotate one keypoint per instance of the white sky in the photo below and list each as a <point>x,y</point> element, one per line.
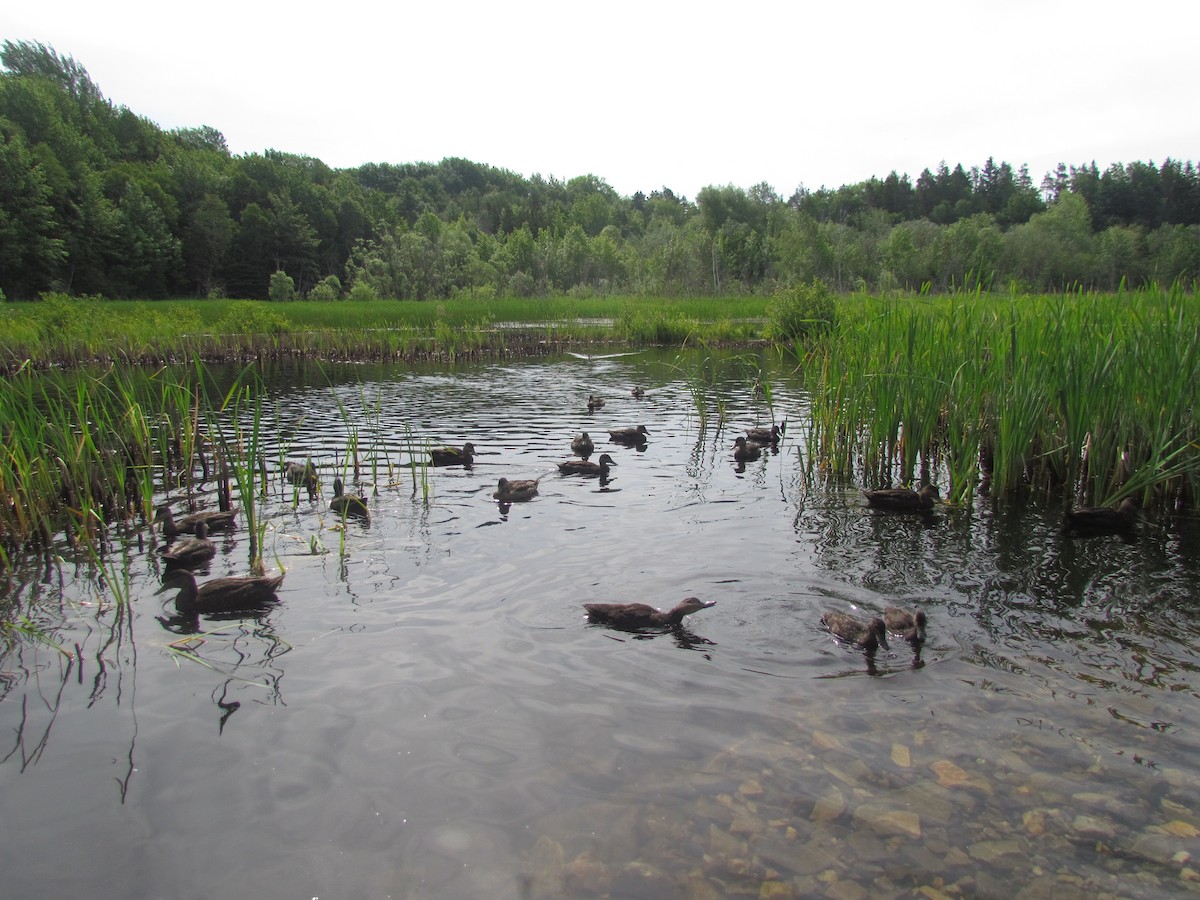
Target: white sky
<point>649,94</point>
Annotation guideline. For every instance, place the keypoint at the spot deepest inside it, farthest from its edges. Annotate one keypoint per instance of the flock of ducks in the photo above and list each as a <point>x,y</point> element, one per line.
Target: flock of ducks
<point>253,592</point>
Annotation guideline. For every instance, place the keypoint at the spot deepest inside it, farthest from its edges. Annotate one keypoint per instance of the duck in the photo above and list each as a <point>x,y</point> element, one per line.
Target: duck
<point>582,444</point>
<point>641,615</point>
<point>233,593</point>
<point>583,467</point>
<point>1086,521</point>
<point>628,435</point>
<point>744,451</point>
<point>453,456</point>
<point>760,434</point>
<point>191,551</point>
<point>347,504</point>
<point>516,491</point>
<point>301,474</point>
<point>908,623</point>
<point>594,402</point>
<point>867,635</point>
<point>903,498</point>
<point>638,393</point>
<point>214,519</point>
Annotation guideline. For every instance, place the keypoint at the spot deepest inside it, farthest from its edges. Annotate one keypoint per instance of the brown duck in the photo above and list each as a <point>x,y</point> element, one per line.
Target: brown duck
<point>629,435</point>
<point>902,498</point>
<point>582,445</point>
<point>301,474</point>
<point>631,616</point>
<point>760,434</point>
<point>1093,520</point>
<point>214,519</point>
<point>517,491</point>
<point>908,623</point>
<point>583,467</point>
<point>348,505</point>
<point>220,595</point>
<point>453,456</point>
<point>191,551</point>
<point>867,635</point>
<point>745,451</point>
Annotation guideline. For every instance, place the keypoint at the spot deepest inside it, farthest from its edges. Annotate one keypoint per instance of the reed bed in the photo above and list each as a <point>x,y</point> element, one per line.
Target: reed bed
<point>1087,398</point>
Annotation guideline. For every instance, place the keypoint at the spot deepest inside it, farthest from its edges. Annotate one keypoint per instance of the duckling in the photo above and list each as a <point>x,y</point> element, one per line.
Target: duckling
<point>628,435</point>
<point>582,445</point>
<point>1088,521</point>
<point>453,456</point>
<point>516,491</point>
<point>220,595</point>
<point>903,498</point>
<point>760,434</point>
<point>909,624</point>
<point>638,393</point>
<point>583,467</point>
<point>215,519</point>
<point>867,635</point>
<point>347,504</point>
<point>594,403</point>
<point>744,451</point>
<point>191,551</point>
<point>631,616</point>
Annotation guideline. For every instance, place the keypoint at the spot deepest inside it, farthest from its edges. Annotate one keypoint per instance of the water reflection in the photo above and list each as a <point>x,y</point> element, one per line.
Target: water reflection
<point>448,719</point>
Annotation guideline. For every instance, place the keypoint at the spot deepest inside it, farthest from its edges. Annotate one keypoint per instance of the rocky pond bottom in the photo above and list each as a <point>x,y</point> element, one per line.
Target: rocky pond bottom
<point>427,712</point>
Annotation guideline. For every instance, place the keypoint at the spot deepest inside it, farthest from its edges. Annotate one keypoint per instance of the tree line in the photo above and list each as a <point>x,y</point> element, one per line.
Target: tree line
<point>97,200</point>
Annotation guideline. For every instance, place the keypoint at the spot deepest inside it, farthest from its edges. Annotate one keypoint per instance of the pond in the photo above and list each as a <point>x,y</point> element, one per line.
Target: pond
<point>426,712</point>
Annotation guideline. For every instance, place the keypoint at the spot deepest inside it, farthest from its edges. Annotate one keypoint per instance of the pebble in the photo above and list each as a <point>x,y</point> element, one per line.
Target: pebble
<point>884,821</point>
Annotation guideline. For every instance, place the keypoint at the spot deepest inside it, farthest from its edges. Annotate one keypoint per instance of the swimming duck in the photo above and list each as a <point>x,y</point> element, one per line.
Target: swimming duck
<point>582,444</point>
<point>594,403</point>
<point>220,595</point>
<point>347,504</point>
<point>903,498</point>
<point>1093,520</point>
<point>453,456</point>
<point>867,635</point>
<point>629,435</point>
<point>191,551</point>
<point>638,393</point>
<point>301,474</point>
<point>583,467</point>
<point>516,491</point>
<point>214,519</point>
<point>760,434</point>
<point>640,615</point>
<point>909,624</point>
<point>744,451</point>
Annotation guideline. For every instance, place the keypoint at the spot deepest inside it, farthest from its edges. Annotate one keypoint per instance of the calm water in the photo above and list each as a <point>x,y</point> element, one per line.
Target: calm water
<point>427,713</point>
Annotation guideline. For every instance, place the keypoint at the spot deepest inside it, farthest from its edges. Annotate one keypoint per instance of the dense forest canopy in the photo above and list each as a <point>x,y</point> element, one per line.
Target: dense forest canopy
<point>95,199</point>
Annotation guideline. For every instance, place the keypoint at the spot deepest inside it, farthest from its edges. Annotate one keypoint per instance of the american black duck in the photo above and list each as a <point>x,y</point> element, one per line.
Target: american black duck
<point>582,445</point>
<point>594,403</point>
<point>761,434</point>
<point>301,474</point>
<point>1087,521</point>
<point>214,519</point>
<point>348,505</point>
<point>235,593</point>
<point>629,435</point>
<point>632,616</point>
<point>453,456</point>
<point>902,498</point>
<point>583,467</point>
<point>509,491</point>
<point>867,635</point>
<point>908,623</point>
<point>190,552</point>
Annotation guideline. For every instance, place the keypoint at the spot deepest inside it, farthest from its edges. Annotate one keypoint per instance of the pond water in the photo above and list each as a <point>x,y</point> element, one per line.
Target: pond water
<point>427,713</point>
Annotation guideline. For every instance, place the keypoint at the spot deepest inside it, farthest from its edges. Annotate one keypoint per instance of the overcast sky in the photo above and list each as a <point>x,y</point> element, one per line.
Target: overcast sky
<point>646,94</point>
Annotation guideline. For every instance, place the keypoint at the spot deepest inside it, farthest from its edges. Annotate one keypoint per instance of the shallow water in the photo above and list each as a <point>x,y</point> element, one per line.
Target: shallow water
<point>427,714</point>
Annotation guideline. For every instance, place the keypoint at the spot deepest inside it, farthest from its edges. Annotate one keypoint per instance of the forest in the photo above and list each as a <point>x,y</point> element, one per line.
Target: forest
<point>96,200</point>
